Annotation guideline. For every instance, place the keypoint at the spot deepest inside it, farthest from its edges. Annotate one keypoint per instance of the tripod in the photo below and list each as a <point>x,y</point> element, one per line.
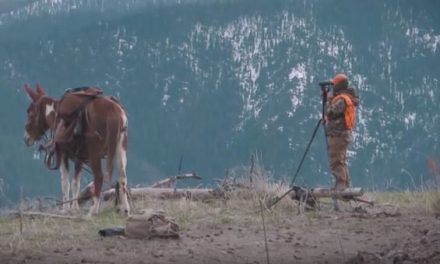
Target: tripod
<point>325,88</point>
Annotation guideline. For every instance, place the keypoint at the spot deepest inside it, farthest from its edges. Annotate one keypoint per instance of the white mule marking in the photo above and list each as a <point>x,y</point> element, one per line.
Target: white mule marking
<point>94,209</point>
<point>124,120</point>
<point>49,109</point>
<point>65,184</point>
<point>122,164</point>
<point>75,190</point>
<point>123,116</point>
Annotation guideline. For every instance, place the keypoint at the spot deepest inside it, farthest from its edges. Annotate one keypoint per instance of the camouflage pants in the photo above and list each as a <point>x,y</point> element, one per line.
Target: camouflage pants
<point>337,154</point>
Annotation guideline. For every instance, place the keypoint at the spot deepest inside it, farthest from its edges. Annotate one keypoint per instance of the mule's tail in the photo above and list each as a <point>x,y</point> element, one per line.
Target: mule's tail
<point>113,142</point>
<point>116,139</point>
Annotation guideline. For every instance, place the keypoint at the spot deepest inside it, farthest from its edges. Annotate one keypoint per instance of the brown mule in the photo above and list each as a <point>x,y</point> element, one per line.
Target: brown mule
<point>86,127</point>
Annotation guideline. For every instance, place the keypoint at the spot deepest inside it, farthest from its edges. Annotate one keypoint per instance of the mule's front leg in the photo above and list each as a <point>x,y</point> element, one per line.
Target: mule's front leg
<point>65,187</point>
<point>76,184</point>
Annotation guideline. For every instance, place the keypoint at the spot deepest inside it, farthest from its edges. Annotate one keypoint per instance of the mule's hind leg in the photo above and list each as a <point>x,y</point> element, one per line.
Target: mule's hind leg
<point>76,184</point>
<point>122,164</point>
<point>65,187</point>
<point>95,165</point>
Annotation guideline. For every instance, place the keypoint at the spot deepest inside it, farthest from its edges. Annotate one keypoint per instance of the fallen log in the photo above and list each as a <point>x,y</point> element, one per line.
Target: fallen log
<point>310,196</point>
<point>86,193</point>
<point>302,194</point>
<point>48,215</point>
<point>346,194</point>
<point>167,193</point>
<point>331,193</point>
<point>206,194</point>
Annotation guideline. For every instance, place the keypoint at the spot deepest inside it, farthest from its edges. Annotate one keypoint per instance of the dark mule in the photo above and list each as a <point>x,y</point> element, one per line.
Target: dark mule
<point>85,127</point>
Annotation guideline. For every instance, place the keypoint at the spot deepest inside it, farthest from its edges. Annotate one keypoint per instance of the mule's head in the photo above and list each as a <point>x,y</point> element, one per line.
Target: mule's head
<point>39,113</point>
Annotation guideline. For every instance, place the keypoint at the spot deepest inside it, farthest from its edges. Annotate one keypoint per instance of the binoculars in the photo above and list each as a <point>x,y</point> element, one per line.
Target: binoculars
<point>325,83</point>
<point>326,86</point>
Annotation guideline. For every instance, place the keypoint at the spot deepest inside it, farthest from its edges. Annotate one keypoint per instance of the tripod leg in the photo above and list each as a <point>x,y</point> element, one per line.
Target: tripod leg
<point>301,205</point>
<point>336,204</point>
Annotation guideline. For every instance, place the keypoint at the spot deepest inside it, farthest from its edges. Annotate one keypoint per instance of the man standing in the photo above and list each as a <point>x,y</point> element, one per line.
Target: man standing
<point>339,121</point>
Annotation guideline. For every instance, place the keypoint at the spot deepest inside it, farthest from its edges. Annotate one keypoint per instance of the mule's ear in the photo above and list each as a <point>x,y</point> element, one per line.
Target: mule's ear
<point>31,93</point>
<point>40,90</point>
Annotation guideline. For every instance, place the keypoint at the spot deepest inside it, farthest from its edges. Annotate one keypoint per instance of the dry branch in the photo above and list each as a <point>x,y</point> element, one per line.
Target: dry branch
<point>358,199</point>
<point>229,184</point>
<point>264,229</point>
<point>41,214</point>
<point>170,180</point>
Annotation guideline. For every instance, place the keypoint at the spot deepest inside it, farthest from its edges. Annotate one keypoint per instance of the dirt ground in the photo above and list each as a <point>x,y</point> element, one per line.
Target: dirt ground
<point>398,229</point>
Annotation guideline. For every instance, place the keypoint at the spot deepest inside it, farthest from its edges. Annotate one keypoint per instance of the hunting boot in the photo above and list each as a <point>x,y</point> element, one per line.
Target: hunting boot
<point>341,185</point>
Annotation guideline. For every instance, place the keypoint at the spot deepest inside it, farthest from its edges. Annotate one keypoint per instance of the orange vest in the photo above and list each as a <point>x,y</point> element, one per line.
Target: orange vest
<point>350,109</point>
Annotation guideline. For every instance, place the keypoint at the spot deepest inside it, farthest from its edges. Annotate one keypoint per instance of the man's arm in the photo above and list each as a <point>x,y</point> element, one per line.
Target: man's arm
<point>335,109</point>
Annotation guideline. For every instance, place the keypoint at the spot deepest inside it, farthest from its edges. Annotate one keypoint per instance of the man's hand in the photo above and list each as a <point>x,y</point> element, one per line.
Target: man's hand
<point>330,96</point>
<point>324,92</point>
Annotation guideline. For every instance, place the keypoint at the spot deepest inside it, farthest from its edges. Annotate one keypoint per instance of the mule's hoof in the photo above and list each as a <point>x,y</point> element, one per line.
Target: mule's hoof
<point>65,211</point>
<point>92,213</point>
<point>88,216</point>
<point>75,211</point>
<point>123,211</point>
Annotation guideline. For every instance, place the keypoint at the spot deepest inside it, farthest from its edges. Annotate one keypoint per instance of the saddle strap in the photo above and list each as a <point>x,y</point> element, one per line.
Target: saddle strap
<point>51,155</point>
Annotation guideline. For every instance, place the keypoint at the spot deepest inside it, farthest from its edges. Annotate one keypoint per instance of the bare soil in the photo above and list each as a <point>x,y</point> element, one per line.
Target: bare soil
<point>400,228</point>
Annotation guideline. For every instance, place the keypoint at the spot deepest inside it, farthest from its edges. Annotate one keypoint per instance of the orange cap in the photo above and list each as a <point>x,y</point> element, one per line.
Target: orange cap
<point>340,77</point>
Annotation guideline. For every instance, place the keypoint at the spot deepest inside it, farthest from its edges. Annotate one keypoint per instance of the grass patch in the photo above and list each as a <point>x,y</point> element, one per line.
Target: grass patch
<point>434,201</point>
